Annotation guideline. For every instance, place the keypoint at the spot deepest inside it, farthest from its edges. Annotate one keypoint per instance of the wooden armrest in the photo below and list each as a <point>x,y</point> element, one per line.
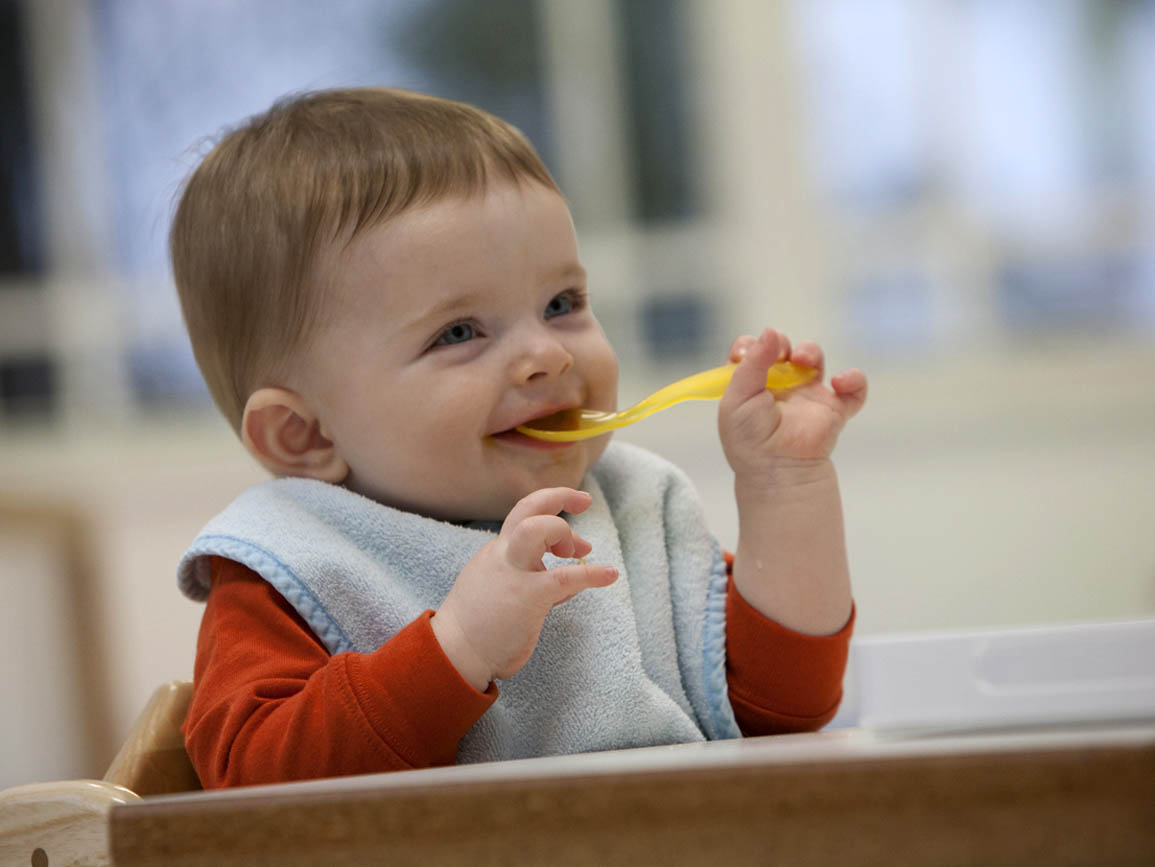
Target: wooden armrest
<point>58,823</point>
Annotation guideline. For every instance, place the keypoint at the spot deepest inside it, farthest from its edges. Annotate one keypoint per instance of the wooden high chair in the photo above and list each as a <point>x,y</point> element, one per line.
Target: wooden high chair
<point>152,760</point>
<point>66,823</point>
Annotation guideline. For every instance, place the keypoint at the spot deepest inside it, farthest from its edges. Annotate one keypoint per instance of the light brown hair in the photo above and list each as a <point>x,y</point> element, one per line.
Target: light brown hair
<point>257,214</point>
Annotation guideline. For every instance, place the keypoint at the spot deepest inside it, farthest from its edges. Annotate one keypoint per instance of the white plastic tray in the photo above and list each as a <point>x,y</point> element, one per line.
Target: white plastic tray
<point>1006,677</point>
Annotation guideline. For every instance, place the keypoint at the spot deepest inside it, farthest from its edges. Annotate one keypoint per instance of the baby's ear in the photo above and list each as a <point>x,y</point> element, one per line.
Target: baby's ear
<point>282,432</point>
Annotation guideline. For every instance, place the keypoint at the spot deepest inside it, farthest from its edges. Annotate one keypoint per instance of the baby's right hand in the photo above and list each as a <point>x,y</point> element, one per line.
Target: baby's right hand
<point>489,622</point>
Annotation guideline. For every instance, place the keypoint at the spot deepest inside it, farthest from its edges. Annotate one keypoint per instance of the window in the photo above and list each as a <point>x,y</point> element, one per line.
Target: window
<point>984,163</point>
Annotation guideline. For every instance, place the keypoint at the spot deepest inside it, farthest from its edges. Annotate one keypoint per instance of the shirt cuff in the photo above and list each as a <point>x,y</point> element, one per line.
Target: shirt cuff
<point>780,671</point>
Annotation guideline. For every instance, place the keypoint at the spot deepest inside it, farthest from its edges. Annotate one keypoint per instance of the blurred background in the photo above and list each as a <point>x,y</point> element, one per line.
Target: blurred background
<point>956,195</point>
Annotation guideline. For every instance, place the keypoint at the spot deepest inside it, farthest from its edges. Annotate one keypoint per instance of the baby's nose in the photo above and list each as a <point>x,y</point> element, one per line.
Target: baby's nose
<point>544,357</point>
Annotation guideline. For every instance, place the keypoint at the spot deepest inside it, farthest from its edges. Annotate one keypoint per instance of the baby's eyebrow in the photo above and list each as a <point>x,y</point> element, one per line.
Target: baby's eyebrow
<point>574,272</point>
<point>444,309</point>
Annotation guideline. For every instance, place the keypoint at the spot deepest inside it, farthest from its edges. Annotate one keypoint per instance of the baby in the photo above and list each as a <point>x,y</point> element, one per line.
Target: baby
<point>380,286</point>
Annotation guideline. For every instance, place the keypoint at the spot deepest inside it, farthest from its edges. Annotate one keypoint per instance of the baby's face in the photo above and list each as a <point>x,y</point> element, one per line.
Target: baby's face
<point>443,330</point>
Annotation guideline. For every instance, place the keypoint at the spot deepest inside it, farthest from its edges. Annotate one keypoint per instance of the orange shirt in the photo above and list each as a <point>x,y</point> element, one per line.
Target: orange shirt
<point>271,704</point>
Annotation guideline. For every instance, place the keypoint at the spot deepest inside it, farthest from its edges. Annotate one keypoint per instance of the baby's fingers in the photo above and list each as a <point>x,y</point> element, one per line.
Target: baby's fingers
<point>739,347</point>
<point>529,541</point>
<point>749,378</point>
<point>547,501</point>
<point>850,388</point>
<point>565,582</point>
<point>809,354</point>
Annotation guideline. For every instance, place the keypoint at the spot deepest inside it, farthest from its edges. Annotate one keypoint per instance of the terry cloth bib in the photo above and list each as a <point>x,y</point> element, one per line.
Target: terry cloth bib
<point>639,663</point>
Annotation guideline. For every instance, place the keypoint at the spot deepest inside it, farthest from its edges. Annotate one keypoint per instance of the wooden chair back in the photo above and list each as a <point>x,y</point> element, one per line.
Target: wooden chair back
<point>152,760</point>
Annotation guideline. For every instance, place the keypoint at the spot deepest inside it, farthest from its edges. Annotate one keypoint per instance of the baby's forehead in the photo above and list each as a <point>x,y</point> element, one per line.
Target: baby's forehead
<point>450,221</point>
<point>421,217</point>
<point>388,254</point>
<point>508,235</point>
<point>397,241</point>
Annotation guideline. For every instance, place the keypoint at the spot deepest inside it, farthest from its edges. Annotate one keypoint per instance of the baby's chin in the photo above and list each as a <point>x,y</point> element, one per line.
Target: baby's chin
<point>463,506</point>
<point>482,510</point>
<point>497,510</point>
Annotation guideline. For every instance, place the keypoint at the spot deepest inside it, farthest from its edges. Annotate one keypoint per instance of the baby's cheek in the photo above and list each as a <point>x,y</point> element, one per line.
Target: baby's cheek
<point>598,367</point>
<point>604,391</point>
<point>594,449</point>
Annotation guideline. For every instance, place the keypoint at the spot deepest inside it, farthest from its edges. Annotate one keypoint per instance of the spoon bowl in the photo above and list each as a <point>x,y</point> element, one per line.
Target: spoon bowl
<point>571,425</point>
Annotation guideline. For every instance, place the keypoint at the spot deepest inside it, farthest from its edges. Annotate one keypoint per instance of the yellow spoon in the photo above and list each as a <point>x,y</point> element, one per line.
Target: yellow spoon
<point>579,424</point>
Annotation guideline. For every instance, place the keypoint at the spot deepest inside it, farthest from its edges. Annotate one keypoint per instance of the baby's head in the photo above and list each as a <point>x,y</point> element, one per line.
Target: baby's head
<point>274,197</point>
<point>380,285</point>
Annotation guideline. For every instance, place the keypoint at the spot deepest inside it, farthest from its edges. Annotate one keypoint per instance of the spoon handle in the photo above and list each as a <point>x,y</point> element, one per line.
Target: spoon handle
<point>578,424</point>
<point>711,384</point>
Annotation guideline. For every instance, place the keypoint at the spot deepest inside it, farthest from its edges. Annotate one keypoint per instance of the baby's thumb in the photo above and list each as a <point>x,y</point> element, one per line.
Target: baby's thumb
<point>565,582</point>
<point>749,379</point>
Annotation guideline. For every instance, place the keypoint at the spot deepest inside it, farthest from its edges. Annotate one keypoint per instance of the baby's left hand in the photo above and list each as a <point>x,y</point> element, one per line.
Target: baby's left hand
<point>762,433</point>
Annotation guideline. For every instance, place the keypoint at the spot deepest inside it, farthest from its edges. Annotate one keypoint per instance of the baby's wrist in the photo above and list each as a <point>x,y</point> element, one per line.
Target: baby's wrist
<point>782,476</point>
<point>458,650</point>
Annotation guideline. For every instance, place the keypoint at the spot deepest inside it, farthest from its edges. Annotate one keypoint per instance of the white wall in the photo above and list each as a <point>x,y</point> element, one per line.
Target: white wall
<point>143,493</point>
<point>43,725</point>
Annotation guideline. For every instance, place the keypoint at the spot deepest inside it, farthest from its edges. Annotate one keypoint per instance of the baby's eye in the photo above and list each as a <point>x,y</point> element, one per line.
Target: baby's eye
<point>564,302</point>
<point>458,332</point>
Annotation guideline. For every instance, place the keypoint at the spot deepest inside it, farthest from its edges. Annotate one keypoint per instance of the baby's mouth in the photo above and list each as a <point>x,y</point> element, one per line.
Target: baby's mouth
<point>513,436</point>
<point>516,438</point>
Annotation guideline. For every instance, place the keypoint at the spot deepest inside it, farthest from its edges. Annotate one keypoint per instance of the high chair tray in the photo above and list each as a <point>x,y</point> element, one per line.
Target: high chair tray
<point>1058,796</point>
<point>1007,677</point>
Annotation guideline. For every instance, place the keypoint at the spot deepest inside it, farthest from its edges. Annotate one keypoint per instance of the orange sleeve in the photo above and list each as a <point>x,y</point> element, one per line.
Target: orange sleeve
<point>781,681</point>
<point>271,705</point>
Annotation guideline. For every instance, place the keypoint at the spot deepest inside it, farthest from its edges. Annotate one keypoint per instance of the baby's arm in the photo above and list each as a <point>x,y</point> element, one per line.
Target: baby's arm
<point>271,704</point>
<point>790,563</point>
